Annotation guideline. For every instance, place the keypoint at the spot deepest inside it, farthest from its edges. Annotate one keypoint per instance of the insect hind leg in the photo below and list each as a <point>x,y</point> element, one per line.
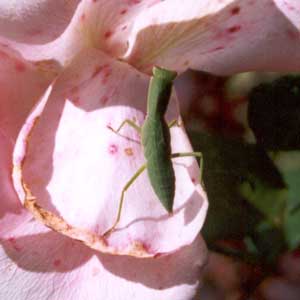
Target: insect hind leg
<point>126,187</point>
<point>194,154</point>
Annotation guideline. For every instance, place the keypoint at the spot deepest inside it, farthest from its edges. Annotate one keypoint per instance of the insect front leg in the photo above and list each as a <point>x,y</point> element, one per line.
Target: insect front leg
<point>128,122</point>
<point>194,154</point>
<point>126,187</point>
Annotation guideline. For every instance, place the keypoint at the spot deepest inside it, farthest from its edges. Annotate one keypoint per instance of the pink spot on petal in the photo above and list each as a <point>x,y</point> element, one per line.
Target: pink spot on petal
<point>57,263</point>
<point>235,10</point>
<point>146,247</point>
<point>13,242</point>
<point>34,32</point>
<point>104,99</point>
<point>76,100</point>
<point>106,74</point>
<point>293,34</point>
<point>19,66</point>
<point>108,34</point>
<point>97,71</point>
<point>217,48</point>
<point>158,255</point>
<point>82,17</point>
<point>234,28</point>
<point>3,55</point>
<point>123,11</point>
<point>134,2</point>
<point>106,71</point>
<point>95,271</point>
<point>113,149</point>
<point>124,27</point>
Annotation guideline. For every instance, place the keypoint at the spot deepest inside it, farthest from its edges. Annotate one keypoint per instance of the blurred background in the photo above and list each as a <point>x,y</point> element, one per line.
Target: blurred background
<point>248,128</point>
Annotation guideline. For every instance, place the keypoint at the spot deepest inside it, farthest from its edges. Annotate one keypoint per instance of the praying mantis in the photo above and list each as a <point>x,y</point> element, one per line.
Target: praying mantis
<point>156,143</point>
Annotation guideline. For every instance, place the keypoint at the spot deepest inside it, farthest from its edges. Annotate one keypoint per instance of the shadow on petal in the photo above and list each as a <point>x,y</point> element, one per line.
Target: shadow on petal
<point>190,209</point>
<point>46,252</point>
<point>181,267</point>
<point>51,252</point>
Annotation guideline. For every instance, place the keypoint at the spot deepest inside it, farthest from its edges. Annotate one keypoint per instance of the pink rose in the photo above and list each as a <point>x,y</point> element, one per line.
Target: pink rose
<point>69,70</point>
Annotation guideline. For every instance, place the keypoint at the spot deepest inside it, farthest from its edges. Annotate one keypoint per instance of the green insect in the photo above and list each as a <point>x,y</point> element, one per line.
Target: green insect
<point>156,143</point>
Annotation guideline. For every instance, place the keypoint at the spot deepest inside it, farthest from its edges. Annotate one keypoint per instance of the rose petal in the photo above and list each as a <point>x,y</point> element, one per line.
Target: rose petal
<point>291,9</point>
<point>108,23</point>
<point>37,263</point>
<point>7,194</point>
<point>100,24</point>
<point>75,166</point>
<point>218,36</point>
<point>35,21</point>
<point>21,86</point>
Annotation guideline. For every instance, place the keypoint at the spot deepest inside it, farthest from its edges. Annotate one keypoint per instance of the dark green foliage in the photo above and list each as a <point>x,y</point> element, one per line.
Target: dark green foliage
<point>274,113</point>
<point>274,116</point>
<point>245,190</point>
<point>254,190</point>
<point>289,163</point>
<point>270,201</point>
<point>292,229</point>
<point>269,241</point>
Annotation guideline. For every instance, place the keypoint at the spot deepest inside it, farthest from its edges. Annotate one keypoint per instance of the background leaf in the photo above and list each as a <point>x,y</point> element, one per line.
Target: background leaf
<point>274,113</point>
<point>245,189</point>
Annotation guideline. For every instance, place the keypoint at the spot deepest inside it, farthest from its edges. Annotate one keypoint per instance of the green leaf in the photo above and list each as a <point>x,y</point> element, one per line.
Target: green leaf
<point>292,179</point>
<point>227,165</point>
<point>269,241</point>
<point>269,201</point>
<point>289,164</point>
<point>274,113</point>
<point>292,229</point>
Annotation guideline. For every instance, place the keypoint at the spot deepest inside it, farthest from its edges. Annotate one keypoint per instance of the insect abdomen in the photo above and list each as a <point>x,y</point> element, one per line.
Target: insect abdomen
<point>163,182</point>
<point>157,151</point>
